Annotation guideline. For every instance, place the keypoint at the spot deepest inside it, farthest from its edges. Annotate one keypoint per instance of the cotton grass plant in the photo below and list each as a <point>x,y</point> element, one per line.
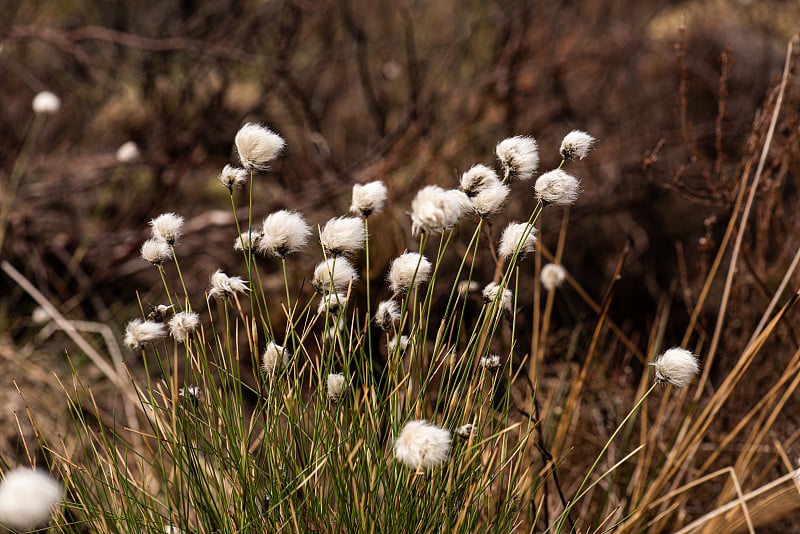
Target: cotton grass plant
<point>413,406</point>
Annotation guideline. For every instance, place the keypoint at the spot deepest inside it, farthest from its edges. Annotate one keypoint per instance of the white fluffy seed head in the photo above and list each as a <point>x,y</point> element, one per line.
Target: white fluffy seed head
<point>336,386</point>
<point>274,359</point>
<point>139,332</point>
<point>467,286</point>
<point>397,343</point>
<point>28,497</point>
<point>46,103</point>
<point>435,209</point>
<point>491,293</point>
<point>677,366</point>
<point>422,445</point>
<point>248,240</point>
<point>557,187</point>
<point>464,431</point>
<point>343,235</point>
<point>387,314</point>
<point>257,146</point>
<point>156,251</point>
<point>128,152</point>
<point>167,227</point>
<point>332,303</point>
<point>225,287</point>
<point>517,236</point>
<point>232,177</point>
<point>184,324</point>
<point>282,233</point>
<point>478,178</point>
<point>576,145</point>
<point>552,276</point>
<point>332,333</point>
<point>490,363</point>
<point>368,198</point>
<point>334,274</point>
<point>519,156</point>
<point>490,200</point>
<point>408,271</point>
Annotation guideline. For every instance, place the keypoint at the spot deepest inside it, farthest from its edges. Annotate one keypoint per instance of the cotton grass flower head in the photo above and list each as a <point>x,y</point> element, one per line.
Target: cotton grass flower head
<point>492,293</point>
<point>490,363</point>
<point>519,157</point>
<point>248,240</point>
<point>676,366</point>
<point>232,177</point>
<point>128,152</point>
<point>477,179</point>
<point>517,237</point>
<point>467,286</point>
<point>156,251</point>
<point>332,333</point>
<point>283,232</point>
<point>167,227</point>
<point>397,343</point>
<point>464,431</point>
<point>28,498</point>
<point>343,235</point>
<point>408,271</point>
<point>336,386</point>
<point>557,187</point>
<point>576,145</point>
<point>387,314</point>
<point>183,324</point>
<point>46,103</point>
<point>139,332</point>
<point>332,303</point>
<point>159,312</point>
<point>226,287</point>
<point>274,359</point>
<point>422,445</point>
<point>257,146</point>
<point>552,276</point>
<point>434,209</point>
<point>368,198</point>
<point>491,200</point>
<point>334,274</point>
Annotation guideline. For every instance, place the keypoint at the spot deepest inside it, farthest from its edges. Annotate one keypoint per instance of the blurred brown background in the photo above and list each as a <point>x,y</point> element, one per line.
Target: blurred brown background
<point>410,92</point>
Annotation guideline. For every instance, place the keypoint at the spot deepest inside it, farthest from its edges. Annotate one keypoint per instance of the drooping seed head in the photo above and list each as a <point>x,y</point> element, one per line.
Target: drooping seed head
<point>408,271</point>
<point>225,287</point>
<point>343,235</point>
<point>576,144</point>
<point>274,358</point>
<point>490,363</point>
<point>167,227</point>
<point>334,274</point>
<point>464,431</point>
<point>557,187</point>
<point>232,177</point>
<point>387,314</point>
<point>257,146</point>
<point>46,103</point>
<point>478,178</point>
<point>399,343</point>
<point>283,232</point>
<point>422,445</point>
<point>368,198</point>
<point>184,324</point>
<point>519,156</point>
<point>676,366</point>
<point>139,332</point>
<point>434,209</point>
<point>156,251</point>
<point>333,303</point>
<point>517,237</point>
<point>552,276</point>
<point>28,498</point>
